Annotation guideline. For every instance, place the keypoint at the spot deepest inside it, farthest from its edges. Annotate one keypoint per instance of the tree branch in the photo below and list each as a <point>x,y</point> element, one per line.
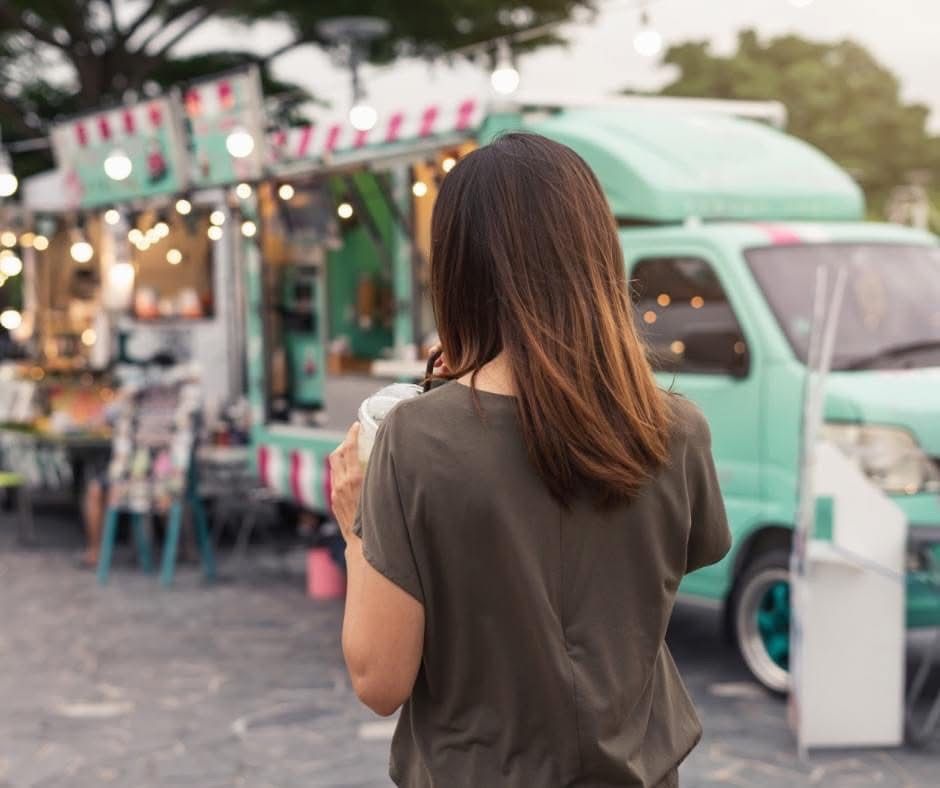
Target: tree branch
<point>188,28</point>
<point>14,20</point>
<point>142,17</point>
<point>284,48</point>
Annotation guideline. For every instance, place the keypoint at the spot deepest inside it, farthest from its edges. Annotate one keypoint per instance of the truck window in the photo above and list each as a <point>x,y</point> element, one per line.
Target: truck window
<point>685,318</point>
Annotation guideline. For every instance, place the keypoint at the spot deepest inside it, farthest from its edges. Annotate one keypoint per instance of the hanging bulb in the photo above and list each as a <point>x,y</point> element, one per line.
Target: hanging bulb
<point>112,216</point>
<point>215,233</point>
<point>8,181</point>
<point>286,192</point>
<point>118,166</point>
<point>243,191</point>
<point>10,319</point>
<point>505,77</point>
<point>419,188</point>
<point>448,164</point>
<point>40,243</point>
<point>10,266</point>
<point>81,250</point>
<point>249,228</point>
<point>362,116</point>
<point>217,218</point>
<point>184,207</point>
<point>648,41</point>
<point>344,210</point>
<point>240,144</point>
<point>174,256</point>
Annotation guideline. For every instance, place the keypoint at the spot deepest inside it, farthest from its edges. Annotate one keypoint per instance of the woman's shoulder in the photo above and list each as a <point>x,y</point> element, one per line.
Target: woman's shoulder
<point>689,424</point>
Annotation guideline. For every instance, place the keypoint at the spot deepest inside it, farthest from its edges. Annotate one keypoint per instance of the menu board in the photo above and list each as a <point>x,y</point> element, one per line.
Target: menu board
<point>148,134</point>
<point>215,109</point>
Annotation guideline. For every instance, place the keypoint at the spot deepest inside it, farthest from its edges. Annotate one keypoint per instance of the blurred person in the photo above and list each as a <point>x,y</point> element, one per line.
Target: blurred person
<point>516,545</point>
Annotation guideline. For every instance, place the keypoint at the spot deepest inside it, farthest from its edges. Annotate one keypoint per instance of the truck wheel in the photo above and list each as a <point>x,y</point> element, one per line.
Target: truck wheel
<point>761,619</point>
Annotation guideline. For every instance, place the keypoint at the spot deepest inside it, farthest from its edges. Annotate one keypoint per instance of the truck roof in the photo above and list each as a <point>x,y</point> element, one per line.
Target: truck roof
<point>658,164</point>
<point>752,234</point>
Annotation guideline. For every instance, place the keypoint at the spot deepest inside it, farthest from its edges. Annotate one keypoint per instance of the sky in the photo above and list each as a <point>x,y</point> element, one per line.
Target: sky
<point>599,58</point>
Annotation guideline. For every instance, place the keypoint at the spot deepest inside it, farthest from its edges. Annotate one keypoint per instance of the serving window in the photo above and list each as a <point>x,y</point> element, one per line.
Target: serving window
<point>173,260</point>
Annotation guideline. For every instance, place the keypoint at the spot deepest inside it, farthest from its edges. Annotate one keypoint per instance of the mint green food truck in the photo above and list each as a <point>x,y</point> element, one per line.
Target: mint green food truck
<point>724,221</point>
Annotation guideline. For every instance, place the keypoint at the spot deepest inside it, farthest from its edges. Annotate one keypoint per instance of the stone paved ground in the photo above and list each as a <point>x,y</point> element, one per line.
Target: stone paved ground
<point>242,684</point>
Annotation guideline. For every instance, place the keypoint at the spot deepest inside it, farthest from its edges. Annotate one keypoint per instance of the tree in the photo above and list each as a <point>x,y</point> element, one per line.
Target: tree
<point>838,98</point>
<point>59,57</point>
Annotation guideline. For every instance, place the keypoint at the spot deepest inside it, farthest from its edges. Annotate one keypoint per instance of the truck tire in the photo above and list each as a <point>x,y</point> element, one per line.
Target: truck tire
<point>760,615</point>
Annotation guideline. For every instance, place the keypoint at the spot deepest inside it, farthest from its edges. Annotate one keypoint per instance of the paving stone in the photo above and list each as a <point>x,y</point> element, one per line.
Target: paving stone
<point>242,683</point>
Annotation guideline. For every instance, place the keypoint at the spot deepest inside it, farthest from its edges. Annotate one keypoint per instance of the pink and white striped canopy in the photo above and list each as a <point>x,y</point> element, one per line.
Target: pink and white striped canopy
<point>334,135</point>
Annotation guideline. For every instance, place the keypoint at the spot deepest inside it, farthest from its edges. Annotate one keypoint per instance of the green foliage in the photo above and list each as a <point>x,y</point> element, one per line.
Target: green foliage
<point>838,98</point>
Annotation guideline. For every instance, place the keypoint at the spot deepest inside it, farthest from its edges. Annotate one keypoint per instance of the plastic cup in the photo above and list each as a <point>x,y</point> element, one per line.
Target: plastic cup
<point>373,411</point>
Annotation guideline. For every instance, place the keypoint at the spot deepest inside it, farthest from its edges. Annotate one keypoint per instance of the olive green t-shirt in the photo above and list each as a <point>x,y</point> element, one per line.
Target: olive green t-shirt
<point>544,658</point>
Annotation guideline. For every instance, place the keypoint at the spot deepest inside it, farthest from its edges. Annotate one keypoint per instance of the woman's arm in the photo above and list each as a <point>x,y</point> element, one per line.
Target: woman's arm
<point>383,626</point>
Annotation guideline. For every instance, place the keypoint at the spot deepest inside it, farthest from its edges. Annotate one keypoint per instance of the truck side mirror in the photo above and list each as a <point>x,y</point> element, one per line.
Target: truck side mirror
<point>716,352</point>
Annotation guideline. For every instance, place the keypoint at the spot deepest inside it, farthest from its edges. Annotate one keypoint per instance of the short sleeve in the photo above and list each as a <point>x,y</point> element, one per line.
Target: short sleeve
<point>709,535</point>
<point>380,519</point>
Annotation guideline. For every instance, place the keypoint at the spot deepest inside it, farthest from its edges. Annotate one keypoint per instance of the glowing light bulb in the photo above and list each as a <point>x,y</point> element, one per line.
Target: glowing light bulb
<point>112,216</point>
<point>362,116</point>
<point>161,229</point>
<point>240,144</point>
<point>184,207</point>
<point>419,188</point>
<point>40,243</point>
<point>648,41</point>
<point>8,239</point>
<point>243,191</point>
<point>344,210</point>
<point>81,251</point>
<point>174,256</point>
<point>286,192</point>
<point>89,337</point>
<point>135,236</point>
<point>8,183</point>
<point>27,239</point>
<point>10,319</point>
<point>118,166</point>
<point>11,266</point>
<point>448,164</point>
<point>505,77</point>
<point>217,218</point>
<point>215,233</point>
<point>249,229</point>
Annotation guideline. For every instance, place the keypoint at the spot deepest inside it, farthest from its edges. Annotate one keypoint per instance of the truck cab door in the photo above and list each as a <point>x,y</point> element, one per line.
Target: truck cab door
<point>686,312</point>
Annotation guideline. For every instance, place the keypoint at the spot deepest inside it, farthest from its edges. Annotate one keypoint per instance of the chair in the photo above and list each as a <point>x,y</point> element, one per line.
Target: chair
<point>16,483</point>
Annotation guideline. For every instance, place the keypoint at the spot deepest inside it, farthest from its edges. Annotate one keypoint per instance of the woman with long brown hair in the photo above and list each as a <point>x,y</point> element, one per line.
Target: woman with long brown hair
<point>517,544</point>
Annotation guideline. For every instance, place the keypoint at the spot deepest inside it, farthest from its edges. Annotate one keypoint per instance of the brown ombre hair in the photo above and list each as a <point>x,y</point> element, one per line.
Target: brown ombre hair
<point>525,260</point>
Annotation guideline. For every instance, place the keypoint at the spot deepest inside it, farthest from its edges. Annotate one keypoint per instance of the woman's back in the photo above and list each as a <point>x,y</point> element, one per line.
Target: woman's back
<point>544,662</point>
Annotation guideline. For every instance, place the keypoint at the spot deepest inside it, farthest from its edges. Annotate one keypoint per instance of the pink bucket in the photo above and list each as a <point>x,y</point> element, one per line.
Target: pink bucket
<point>325,580</point>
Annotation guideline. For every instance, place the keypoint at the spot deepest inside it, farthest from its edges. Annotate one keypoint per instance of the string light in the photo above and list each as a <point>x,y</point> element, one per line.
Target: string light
<point>649,317</point>
<point>648,41</point>
<point>419,188</point>
<point>215,233</point>
<point>249,228</point>
<point>697,302</point>
<point>8,239</point>
<point>663,299</point>
<point>677,347</point>
<point>89,337</point>
<point>448,164</point>
<point>118,165</point>
<point>174,256</point>
<point>10,319</point>
<point>344,210</point>
<point>161,229</point>
<point>362,116</point>
<point>217,218</point>
<point>135,236</point>
<point>112,217</point>
<point>10,266</point>
<point>243,191</point>
<point>27,239</point>
<point>505,77</point>
<point>8,181</point>
<point>240,144</point>
<point>40,243</point>
<point>286,192</point>
<point>81,250</point>
<point>184,207</point>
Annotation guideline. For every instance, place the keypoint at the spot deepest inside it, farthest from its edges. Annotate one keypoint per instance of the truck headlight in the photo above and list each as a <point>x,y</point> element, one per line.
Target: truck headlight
<point>889,456</point>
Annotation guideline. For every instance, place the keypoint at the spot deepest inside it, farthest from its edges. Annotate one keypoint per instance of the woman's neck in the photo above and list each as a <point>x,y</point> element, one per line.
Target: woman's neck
<point>495,377</point>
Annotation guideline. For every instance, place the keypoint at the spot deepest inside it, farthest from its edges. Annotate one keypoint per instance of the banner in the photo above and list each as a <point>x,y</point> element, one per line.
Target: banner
<point>144,140</point>
<point>214,110</point>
